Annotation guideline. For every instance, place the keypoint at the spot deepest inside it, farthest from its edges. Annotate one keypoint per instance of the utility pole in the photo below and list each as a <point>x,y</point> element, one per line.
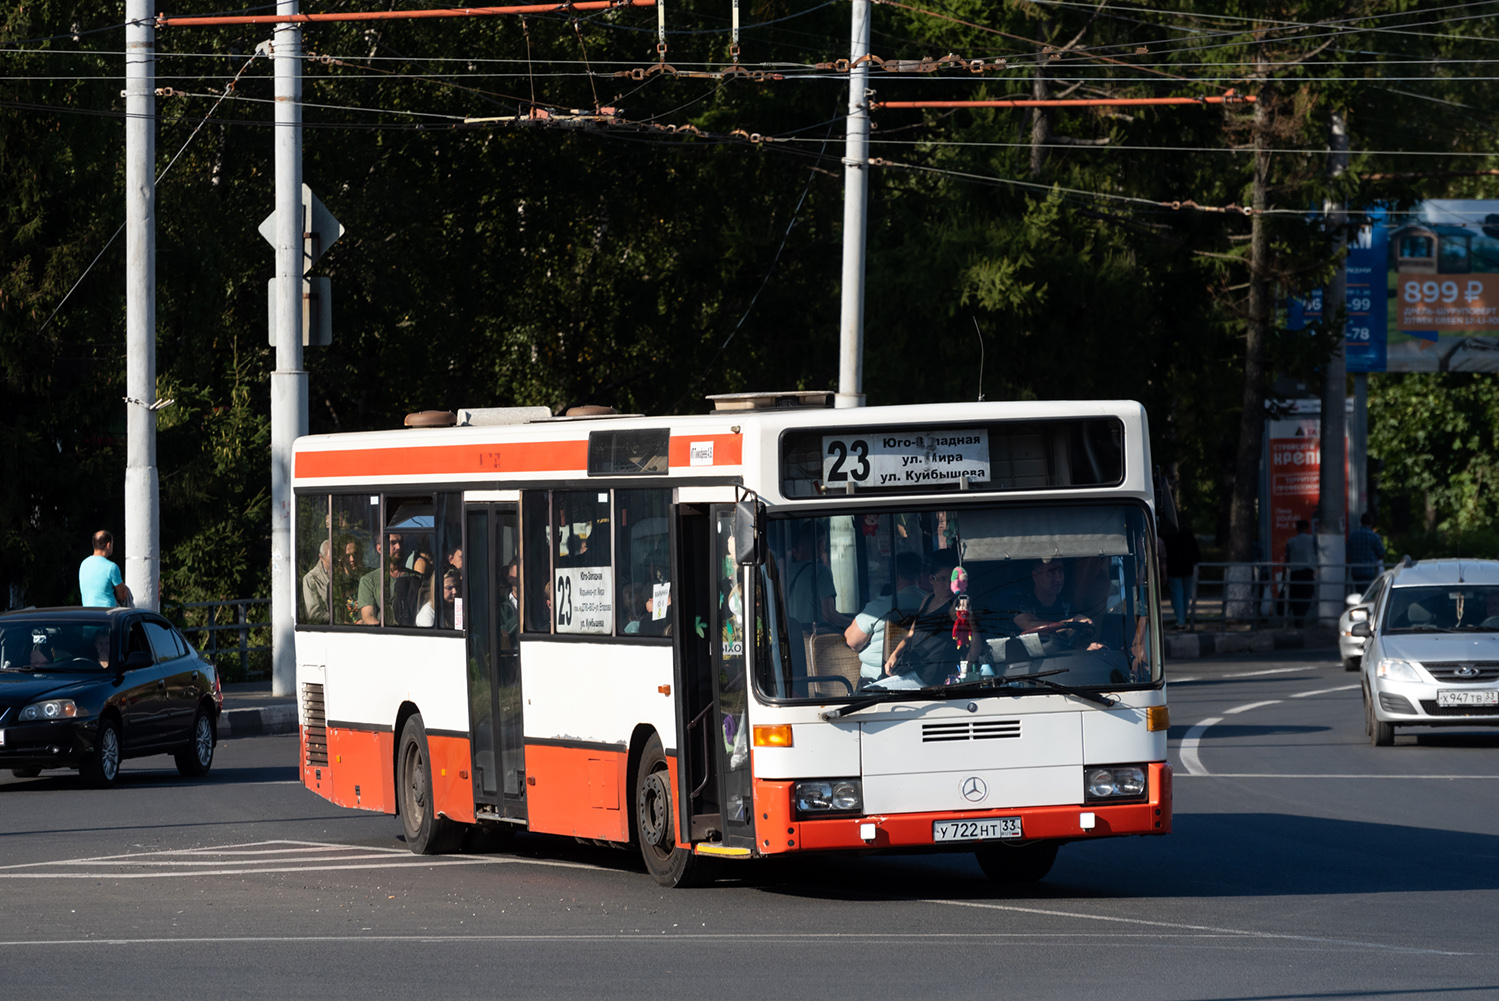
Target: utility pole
<point>1332,481</point>
<point>288,381</point>
<point>142,524</point>
<point>855,214</point>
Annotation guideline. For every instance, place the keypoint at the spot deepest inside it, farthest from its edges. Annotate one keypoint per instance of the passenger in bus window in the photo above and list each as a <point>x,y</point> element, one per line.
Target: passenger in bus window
<point>370,585</point>
<point>810,592</point>
<point>866,634</point>
<point>427,616</point>
<point>315,583</point>
<point>510,603</point>
<point>929,653</point>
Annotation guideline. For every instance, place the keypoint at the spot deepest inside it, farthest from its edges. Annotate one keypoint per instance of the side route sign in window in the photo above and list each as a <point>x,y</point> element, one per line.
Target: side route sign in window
<point>906,457</point>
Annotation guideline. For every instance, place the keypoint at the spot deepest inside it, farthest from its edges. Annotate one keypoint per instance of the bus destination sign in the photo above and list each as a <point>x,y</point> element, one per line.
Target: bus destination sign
<point>906,458</point>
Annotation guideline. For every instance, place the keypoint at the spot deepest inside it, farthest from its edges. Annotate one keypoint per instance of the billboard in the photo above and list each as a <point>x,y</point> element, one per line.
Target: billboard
<point>1423,290</point>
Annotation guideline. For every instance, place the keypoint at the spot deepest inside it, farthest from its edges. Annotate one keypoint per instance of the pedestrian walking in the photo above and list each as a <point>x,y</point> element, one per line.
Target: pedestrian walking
<point>1182,557</point>
<point>1365,553</point>
<point>99,581</point>
<point>1301,562</point>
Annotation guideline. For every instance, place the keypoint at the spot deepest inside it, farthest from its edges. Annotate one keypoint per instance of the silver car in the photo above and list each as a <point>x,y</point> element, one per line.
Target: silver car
<point>1351,646</point>
<point>1431,653</point>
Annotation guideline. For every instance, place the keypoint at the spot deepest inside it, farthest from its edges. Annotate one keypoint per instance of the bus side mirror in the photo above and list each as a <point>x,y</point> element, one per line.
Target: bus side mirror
<point>747,533</point>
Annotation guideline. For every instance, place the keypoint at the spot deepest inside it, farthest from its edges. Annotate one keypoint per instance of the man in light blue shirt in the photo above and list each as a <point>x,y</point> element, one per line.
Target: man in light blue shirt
<point>99,580</point>
<point>866,634</point>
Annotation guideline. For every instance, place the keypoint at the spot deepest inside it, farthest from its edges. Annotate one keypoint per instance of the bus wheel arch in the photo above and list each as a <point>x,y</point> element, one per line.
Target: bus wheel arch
<point>404,713</point>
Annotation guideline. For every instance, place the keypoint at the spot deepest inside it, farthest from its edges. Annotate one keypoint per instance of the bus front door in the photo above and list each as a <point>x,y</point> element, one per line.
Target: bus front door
<point>494,680</point>
<point>714,790</point>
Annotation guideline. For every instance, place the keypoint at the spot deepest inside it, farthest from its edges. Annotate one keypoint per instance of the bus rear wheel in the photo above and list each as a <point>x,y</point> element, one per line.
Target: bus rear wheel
<point>1025,863</point>
<point>426,833</point>
<point>655,824</point>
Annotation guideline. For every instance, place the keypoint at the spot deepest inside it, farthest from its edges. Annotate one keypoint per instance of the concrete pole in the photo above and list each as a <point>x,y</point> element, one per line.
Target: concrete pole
<point>1358,446</point>
<point>1332,504</point>
<point>288,381</point>
<point>855,213</point>
<point>142,524</point>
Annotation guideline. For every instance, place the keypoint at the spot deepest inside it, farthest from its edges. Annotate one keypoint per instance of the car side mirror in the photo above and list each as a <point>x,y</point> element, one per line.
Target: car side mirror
<point>137,659</point>
<point>1361,629</point>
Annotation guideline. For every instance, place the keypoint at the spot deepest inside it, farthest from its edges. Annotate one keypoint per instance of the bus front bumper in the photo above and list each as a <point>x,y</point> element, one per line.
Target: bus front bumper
<point>778,830</point>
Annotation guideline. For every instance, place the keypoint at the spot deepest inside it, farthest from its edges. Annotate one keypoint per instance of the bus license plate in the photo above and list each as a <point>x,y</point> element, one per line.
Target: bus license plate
<point>976,830</point>
<point>1489,698</point>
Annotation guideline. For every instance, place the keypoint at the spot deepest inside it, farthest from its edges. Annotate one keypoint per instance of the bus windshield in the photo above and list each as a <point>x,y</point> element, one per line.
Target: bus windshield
<point>928,598</point>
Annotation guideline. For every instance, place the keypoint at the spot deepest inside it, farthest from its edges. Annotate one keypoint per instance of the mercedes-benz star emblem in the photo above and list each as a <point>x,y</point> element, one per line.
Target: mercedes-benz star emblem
<point>974,789</point>
<point>1466,671</point>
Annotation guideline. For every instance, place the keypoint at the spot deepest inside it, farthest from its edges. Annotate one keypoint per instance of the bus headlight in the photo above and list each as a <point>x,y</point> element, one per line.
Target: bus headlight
<point>51,709</point>
<point>828,796</point>
<point>1113,783</point>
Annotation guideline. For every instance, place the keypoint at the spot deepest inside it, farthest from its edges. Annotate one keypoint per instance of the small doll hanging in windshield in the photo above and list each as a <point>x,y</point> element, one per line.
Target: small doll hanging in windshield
<point>962,623</point>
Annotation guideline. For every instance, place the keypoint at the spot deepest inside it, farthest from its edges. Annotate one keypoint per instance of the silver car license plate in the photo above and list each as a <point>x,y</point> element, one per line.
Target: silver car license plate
<point>991,829</point>
<point>1488,698</point>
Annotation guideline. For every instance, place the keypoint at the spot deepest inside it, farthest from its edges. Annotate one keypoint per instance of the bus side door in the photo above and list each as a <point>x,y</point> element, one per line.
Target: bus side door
<point>494,681</point>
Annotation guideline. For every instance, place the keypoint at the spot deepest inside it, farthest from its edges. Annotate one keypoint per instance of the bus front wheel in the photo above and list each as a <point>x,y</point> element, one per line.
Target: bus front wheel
<point>655,824</point>
<point>426,833</point>
<point>1025,863</point>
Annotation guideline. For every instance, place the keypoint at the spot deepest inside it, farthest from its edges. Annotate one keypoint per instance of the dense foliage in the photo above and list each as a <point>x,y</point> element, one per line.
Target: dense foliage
<point>558,261</point>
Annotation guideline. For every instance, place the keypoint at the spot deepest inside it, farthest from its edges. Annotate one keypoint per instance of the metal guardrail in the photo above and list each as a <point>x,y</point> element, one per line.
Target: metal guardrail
<point>205,634</point>
<point>1265,592</point>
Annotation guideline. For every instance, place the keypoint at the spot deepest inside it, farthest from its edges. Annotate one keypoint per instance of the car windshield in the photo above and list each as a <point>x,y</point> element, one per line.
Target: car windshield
<point>41,645</point>
<point>1443,608</point>
<point>924,599</point>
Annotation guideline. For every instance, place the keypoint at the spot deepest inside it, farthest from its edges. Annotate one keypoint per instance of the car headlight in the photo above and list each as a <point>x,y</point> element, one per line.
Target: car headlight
<point>51,709</point>
<point>1397,670</point>
<point>1114,782</point>
<point>828,796</point>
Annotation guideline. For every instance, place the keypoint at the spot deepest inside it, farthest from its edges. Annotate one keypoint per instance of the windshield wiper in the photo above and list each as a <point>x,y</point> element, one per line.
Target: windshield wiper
<point>1038,678</point>
<point>881,695</point>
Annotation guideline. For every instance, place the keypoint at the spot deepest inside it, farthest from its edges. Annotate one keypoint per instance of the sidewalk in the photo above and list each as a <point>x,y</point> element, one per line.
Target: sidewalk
<point>250,710</point>
<point>1203,643</point>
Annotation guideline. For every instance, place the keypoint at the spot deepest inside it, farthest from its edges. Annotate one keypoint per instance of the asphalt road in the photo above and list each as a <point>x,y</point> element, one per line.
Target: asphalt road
<point>1305,864</point>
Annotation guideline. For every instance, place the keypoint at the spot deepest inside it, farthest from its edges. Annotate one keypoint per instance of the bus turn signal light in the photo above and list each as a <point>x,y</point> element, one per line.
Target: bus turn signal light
<point>773,736</point>
<point>1158,718</point>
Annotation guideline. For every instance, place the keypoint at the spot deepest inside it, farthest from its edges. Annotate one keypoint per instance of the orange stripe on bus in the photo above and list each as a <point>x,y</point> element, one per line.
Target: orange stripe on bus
<point>446,460</point>
<point>452,790</point>
<point>577,791</point>
<point>728,449</point>
<point>358,772</point>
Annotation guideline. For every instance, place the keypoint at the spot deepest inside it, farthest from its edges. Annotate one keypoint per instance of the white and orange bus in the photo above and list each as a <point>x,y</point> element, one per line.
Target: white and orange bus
<point>775,628</point>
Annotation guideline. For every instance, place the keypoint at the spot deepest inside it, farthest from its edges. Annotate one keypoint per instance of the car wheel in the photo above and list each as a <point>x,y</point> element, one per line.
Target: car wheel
<point>1026,863</point>
<point>26,773</point>
<point>102,766</point>
<point>1351,663</point>
<point>426,832</point>
<point>655,824</point>
<point>1368,715</point>
<point>195,759</point>
<point>1381,734</point>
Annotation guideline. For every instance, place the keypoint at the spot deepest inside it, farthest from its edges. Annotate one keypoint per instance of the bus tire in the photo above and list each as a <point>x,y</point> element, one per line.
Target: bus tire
<point>655,824</point>
<point>426,833</point>
<point>1027,863</point>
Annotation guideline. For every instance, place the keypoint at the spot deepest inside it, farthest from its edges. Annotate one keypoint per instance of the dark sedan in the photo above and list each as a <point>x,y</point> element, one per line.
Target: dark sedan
<point>86,688</point>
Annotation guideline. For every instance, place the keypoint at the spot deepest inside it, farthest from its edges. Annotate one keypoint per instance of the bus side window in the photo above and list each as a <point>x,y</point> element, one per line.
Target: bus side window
<point>314,560</point>
<point>643,562</point>
<point>536,561</point>
<point>582,595</point>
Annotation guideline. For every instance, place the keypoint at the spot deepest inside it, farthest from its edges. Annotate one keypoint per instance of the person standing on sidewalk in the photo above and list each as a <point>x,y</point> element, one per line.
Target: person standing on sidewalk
<point>1182,557</point>
<point>1301,562</point>
<point>99,580</point>
<point>1365,553</point>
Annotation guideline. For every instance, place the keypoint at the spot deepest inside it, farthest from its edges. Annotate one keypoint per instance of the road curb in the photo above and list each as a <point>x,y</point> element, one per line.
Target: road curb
<point>262,721</point>
<point>1189,646</point>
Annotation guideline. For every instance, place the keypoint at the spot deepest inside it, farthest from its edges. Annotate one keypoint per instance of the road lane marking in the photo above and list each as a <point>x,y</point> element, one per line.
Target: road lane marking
<point>1252,705</point>
<point>1336,775</point>
<point>232,860</point>
<point>1247,674</point>
<point>1188,748</point>
<point>1209,929</point>
<point>1325,691</point>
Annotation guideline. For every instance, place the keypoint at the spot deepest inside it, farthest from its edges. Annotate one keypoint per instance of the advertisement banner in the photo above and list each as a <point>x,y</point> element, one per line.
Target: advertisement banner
<point>1423,290</point>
